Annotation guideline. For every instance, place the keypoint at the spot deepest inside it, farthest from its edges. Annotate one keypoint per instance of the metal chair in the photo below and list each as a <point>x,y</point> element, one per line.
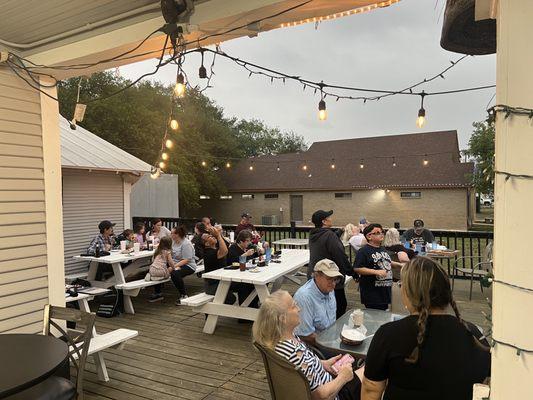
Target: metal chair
<point>284,379</point>
<point>55,387</point>
<point>484,261</point>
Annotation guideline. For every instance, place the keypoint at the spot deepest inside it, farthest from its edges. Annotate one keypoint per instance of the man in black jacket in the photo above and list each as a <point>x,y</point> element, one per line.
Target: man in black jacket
<point>324,243</point>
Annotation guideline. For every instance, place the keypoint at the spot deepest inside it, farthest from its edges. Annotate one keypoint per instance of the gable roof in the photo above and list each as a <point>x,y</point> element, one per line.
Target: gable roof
<point>377,154</point>
<point>83,149</point>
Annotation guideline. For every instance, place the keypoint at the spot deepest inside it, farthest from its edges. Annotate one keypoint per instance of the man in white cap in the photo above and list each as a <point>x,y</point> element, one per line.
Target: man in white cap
<point>316,301</point>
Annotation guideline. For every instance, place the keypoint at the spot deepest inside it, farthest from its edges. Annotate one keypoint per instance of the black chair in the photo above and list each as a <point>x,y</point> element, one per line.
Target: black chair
<point>55,387</point>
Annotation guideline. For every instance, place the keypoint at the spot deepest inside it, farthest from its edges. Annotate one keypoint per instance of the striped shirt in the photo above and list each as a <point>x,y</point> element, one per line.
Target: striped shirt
<point>297,353</point>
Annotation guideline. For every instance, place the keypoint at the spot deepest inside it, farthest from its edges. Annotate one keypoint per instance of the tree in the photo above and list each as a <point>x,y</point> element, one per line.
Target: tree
<point>481,149</point>
<point>135,121</point>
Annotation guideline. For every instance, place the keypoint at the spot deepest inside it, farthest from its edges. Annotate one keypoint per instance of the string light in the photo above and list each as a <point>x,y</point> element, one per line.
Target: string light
<point>421,120</point>
<point>332,166</point>
<point>426,161</point>
<point>179,89</point>
<point>169,144</point>
<point>304,167</point>
<point>394,161</point>
<point>174,124</point>
<point>251,167</point>
<point>162,165</point>
<point>362,164</point>
<point>164,156</point>
<point>202,72</point>
<point>322,113</point>
<point>155,173</point>
<point>278,168</point>
<point>204,164</point>
<point>340,14</point>
<point>228,165</point>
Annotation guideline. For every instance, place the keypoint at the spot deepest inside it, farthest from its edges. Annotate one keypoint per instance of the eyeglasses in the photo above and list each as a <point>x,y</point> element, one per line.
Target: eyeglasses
<point>376,233</point>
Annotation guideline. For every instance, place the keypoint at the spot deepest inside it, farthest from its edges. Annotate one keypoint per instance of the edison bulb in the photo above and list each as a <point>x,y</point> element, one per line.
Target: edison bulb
<point>162,165</point>
<point>169,144</point>
<point>204,163</point>
<point>421,120</point>
<point>164,156</point>
<point>174,124</point>
<point>179,89</point>
<point>228,165</point>
<point>322,115</point>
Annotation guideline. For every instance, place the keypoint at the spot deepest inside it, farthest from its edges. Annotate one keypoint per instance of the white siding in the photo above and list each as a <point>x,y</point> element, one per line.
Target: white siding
<point>88,198</point>
<point>23,254</point>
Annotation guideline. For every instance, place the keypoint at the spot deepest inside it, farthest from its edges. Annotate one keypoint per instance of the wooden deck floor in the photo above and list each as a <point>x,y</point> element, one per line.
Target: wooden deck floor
<point>173,359</point>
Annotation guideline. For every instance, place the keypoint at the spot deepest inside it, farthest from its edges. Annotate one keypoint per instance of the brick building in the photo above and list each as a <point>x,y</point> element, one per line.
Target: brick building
<point>387,179</point>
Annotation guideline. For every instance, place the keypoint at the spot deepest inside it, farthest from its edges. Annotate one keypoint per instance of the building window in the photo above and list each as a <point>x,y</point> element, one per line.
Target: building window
<point>226,197</point>
<point>204,197</point>
<point>247,196</point>
<point>343,196</point>
<point>410,195</point>
<point>269,196</point>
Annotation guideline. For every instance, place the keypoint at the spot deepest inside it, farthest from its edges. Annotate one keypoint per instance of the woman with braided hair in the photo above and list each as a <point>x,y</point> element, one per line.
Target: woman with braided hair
<point>432,354</point>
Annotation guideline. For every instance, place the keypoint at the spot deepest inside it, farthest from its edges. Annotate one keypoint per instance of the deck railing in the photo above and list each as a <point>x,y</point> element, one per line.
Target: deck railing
<point>469,243</point>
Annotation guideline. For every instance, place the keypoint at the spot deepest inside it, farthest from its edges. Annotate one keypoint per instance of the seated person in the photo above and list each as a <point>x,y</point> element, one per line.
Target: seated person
<point>429,354</point>
<point>316,300</point>
<point>104,240</point>
<point>347,233</point>
<point>393,245</point>
<point>199,230</point>
<point>418,234</point>
<point>183,256</point>
<point>373,264</point>
<point>129,237</point>
<point>274,329</point>
<point>208,222</point>
<point>140,238</point>
<point>158,230</point>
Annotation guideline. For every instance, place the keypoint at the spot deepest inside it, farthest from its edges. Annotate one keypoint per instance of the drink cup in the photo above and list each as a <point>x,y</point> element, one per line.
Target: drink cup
<point>357,318</point>
<point>136,247</point>
<point>242,263</point>
<point>123,244</point>
<point>232,237</point>
<point>435,246</point>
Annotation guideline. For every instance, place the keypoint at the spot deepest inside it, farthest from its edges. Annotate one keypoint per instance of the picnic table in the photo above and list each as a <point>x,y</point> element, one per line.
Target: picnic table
<point>115,338</point>
<point>330,339</point>
<point>291,242</point>
<point>116,258</point>
<point>213,306</point>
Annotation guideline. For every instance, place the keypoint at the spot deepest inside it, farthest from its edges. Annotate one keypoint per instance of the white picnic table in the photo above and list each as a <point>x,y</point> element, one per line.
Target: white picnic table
<point>116,338</point>
<point>116,258</point>
<point>291,261</point>
<point>292,242</point>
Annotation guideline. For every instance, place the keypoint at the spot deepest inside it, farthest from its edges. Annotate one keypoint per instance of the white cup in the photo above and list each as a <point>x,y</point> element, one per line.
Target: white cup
<point>357,318</point>
<point>232,236</point>
<point>123,244</point>
<point>136,247</point>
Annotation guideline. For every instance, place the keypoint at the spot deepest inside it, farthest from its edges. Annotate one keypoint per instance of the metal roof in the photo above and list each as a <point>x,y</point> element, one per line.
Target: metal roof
<point>83,149</point>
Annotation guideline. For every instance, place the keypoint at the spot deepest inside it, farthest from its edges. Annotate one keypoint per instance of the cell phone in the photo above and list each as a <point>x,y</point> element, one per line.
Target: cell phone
<point>345,359</point>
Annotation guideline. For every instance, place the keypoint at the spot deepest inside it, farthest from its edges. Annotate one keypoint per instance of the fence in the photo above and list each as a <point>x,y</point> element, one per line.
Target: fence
<point>469,243</point>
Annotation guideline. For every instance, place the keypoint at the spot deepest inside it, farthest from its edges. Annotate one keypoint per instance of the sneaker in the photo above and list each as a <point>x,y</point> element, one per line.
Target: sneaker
<point>147,277</point>
<point>182,297</point>
<point>155,297</point>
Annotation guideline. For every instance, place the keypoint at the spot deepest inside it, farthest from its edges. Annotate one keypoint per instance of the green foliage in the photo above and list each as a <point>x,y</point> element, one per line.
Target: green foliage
<point>481,149</point>
<point>135,121</point>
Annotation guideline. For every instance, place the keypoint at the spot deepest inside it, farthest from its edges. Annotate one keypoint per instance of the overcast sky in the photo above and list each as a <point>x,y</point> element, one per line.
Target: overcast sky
<point>388,48</point>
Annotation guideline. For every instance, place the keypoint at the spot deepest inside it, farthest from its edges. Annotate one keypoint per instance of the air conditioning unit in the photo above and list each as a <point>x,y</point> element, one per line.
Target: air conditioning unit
<point>270,220</point>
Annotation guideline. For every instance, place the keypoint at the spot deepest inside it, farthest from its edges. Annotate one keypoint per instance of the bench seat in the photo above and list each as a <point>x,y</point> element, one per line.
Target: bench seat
<point>197,300</point>
<point>139,284</point>
<point>114,338</point>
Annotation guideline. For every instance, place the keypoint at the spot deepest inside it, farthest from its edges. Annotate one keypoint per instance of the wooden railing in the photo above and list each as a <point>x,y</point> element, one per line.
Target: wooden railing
<point>469,243</point>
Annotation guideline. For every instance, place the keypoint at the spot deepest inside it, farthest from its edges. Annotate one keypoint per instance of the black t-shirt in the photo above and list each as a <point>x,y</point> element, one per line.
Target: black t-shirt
<point>212,262</point>
<point>374,290</point>
<point>234,252</point>
<point>425,237</point>
<point>399,247</point>
<point>449,361</point>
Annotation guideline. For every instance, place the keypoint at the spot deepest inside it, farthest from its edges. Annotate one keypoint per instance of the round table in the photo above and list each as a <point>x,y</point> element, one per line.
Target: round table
<point>28,360</point>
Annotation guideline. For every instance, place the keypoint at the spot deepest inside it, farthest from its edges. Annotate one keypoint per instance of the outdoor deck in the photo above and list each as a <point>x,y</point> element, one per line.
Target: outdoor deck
<point>173,359</point>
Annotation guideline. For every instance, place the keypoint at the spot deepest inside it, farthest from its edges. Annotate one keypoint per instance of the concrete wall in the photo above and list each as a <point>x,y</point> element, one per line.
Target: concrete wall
<point>439,208</point>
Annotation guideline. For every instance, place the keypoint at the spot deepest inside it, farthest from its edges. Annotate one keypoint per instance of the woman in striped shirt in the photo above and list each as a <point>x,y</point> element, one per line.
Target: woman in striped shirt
<point>274,329</point>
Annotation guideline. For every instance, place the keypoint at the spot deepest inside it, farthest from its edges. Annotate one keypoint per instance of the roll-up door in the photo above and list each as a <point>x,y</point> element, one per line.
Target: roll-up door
<point>88,198</point>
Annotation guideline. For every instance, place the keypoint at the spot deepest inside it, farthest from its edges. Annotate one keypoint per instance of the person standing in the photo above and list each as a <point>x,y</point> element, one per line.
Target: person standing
<point>245,224</point>
<point>373,264</point>
<point>324,243</point>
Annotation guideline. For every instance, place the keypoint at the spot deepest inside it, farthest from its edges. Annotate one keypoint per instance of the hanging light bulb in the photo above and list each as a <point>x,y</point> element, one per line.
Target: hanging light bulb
<point>278,168</point>
<point>362,164</point>
<point>164,156</point>
<point>421,120</point>
<point>251,167</point>
<point>332,166</point>
<point>169,143</point>
<point>179,89</point>
<point>426,161</point>
<point>204,164</point>
<point>202,72</point>
<point>228,165</point>
<point>322,113</point>
<point>304,167</point>
<point>394,162</point>
<point>162,165</point>
<point>174,124</point>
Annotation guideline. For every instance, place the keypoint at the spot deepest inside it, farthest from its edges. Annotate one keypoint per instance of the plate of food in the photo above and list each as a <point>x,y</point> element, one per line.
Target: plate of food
<point>353,337</point>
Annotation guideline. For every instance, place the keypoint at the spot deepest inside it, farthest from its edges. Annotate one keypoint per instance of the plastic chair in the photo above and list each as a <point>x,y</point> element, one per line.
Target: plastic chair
<point>55,387</point>
<point>484,261</point>
<point>286,382</point>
